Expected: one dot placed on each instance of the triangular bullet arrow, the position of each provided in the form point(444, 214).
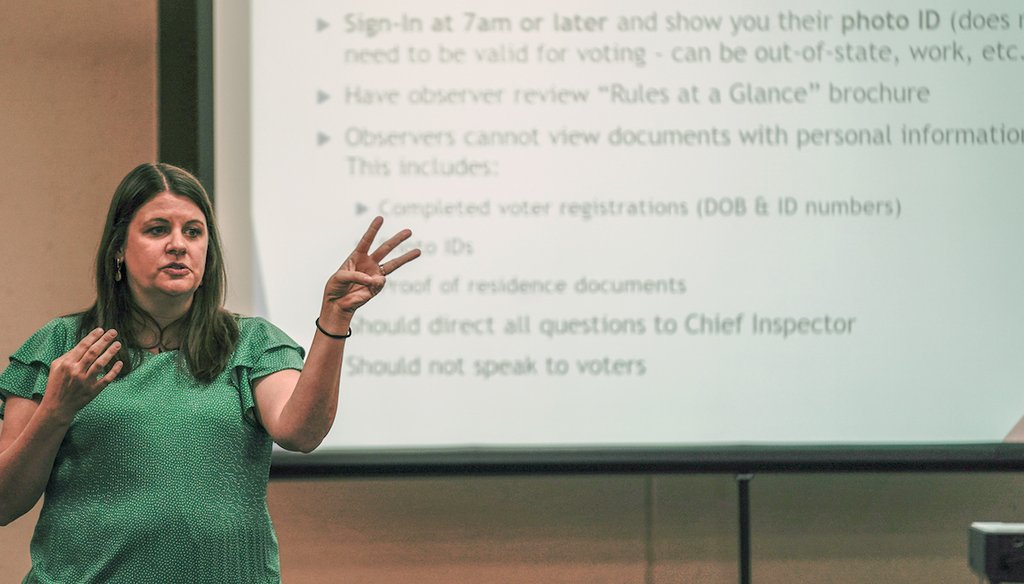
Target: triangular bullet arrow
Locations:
point(360, 208)
point(321, 24)
point(322, 138)
point(322, 96)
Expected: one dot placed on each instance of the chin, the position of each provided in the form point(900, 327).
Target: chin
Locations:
point(184, 289)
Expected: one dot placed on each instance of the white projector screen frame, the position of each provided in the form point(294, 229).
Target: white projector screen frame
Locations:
point(909, 293)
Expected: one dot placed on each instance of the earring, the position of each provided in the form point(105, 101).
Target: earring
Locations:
point(117, 271)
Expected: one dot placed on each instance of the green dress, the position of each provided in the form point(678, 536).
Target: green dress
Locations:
point(160, 478)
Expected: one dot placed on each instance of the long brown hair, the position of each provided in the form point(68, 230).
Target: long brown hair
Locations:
point(209, 332)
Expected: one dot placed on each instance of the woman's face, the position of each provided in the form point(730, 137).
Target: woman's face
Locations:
point(165, 250)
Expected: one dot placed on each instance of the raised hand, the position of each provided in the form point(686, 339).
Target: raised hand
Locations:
point(362, 275)
point(78, 376)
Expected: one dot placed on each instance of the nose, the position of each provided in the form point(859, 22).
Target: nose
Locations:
point(176, 245)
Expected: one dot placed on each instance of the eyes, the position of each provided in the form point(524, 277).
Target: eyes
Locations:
point(191, 231)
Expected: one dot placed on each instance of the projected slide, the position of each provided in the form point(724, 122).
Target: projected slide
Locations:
point(649, 222)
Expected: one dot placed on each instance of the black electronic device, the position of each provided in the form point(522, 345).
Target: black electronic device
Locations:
point(996, 551)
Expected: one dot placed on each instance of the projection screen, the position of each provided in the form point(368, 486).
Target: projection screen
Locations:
point(683, 225)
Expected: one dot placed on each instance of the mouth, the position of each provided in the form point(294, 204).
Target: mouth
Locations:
point(176, 269)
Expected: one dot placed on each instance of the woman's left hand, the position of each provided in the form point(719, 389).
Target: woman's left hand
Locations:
point(361, 276)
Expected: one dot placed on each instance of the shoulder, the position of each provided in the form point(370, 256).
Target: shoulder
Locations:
point(259, 334)
point(51, 341)
point(255, 326)
point(263, 349)
point(62, 325)
point(25, 375)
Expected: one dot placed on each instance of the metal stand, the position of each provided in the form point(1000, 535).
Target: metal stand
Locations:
point(743, 481)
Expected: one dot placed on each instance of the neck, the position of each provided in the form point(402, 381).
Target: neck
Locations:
point(162, 308)
point(155, 328)
point(165, 313)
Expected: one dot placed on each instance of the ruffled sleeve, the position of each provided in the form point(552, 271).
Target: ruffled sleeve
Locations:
point(262, 349)
point(29, 367)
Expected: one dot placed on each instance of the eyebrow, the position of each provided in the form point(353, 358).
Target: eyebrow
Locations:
point(164, 220)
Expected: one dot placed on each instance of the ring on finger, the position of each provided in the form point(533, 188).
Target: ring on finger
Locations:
point(383, 272)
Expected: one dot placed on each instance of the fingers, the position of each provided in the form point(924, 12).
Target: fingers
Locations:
point(100, 364)
point(78, 351)
point(111, 375)
point(371, 233)
point(80, 374)
point(385, 248)
point(96, 349)
point(354, 277)
point(390, 267)
point(357, 268)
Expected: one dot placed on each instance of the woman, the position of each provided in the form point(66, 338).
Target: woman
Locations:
point(148, 419)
